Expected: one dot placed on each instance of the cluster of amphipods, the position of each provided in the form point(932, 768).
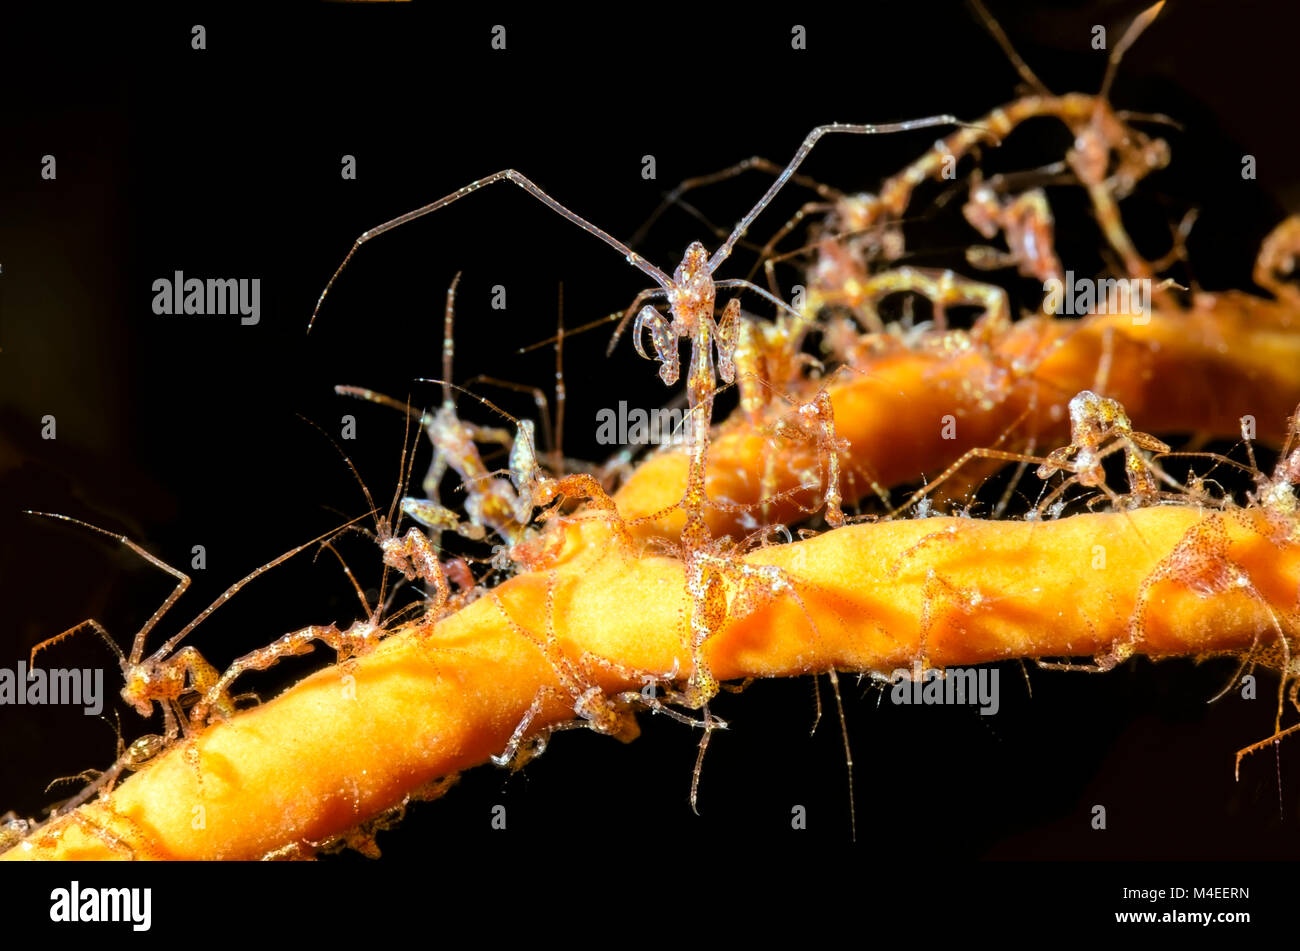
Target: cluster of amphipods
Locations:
point(814, 444)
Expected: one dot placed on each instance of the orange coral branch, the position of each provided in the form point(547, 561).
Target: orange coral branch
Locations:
point(432, 701)
point(1232, 355)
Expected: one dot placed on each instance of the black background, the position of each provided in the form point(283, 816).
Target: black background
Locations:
point(181, 430)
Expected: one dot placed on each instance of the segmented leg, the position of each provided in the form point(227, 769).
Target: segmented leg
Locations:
point(596, 710)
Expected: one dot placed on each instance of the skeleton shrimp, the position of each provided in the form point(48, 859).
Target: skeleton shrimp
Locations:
point(1099, 131)
point(814, 421)
point(1099, 427)
point(690, 292)
point(1201, 562)
point(533, 489)
point(166, 677)
point(489, 502)
point(859, 228)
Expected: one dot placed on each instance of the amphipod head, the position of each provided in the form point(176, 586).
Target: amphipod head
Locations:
point(693, 293)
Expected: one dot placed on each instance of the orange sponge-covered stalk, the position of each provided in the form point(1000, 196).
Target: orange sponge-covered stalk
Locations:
point(352, 742)
point(907, 413)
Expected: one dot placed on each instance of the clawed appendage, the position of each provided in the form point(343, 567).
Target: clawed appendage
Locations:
point(1025, 219)
point(1099, 427)
point(1275, 267)
point(609, 715)
point(530, 489)
point(491, 504)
